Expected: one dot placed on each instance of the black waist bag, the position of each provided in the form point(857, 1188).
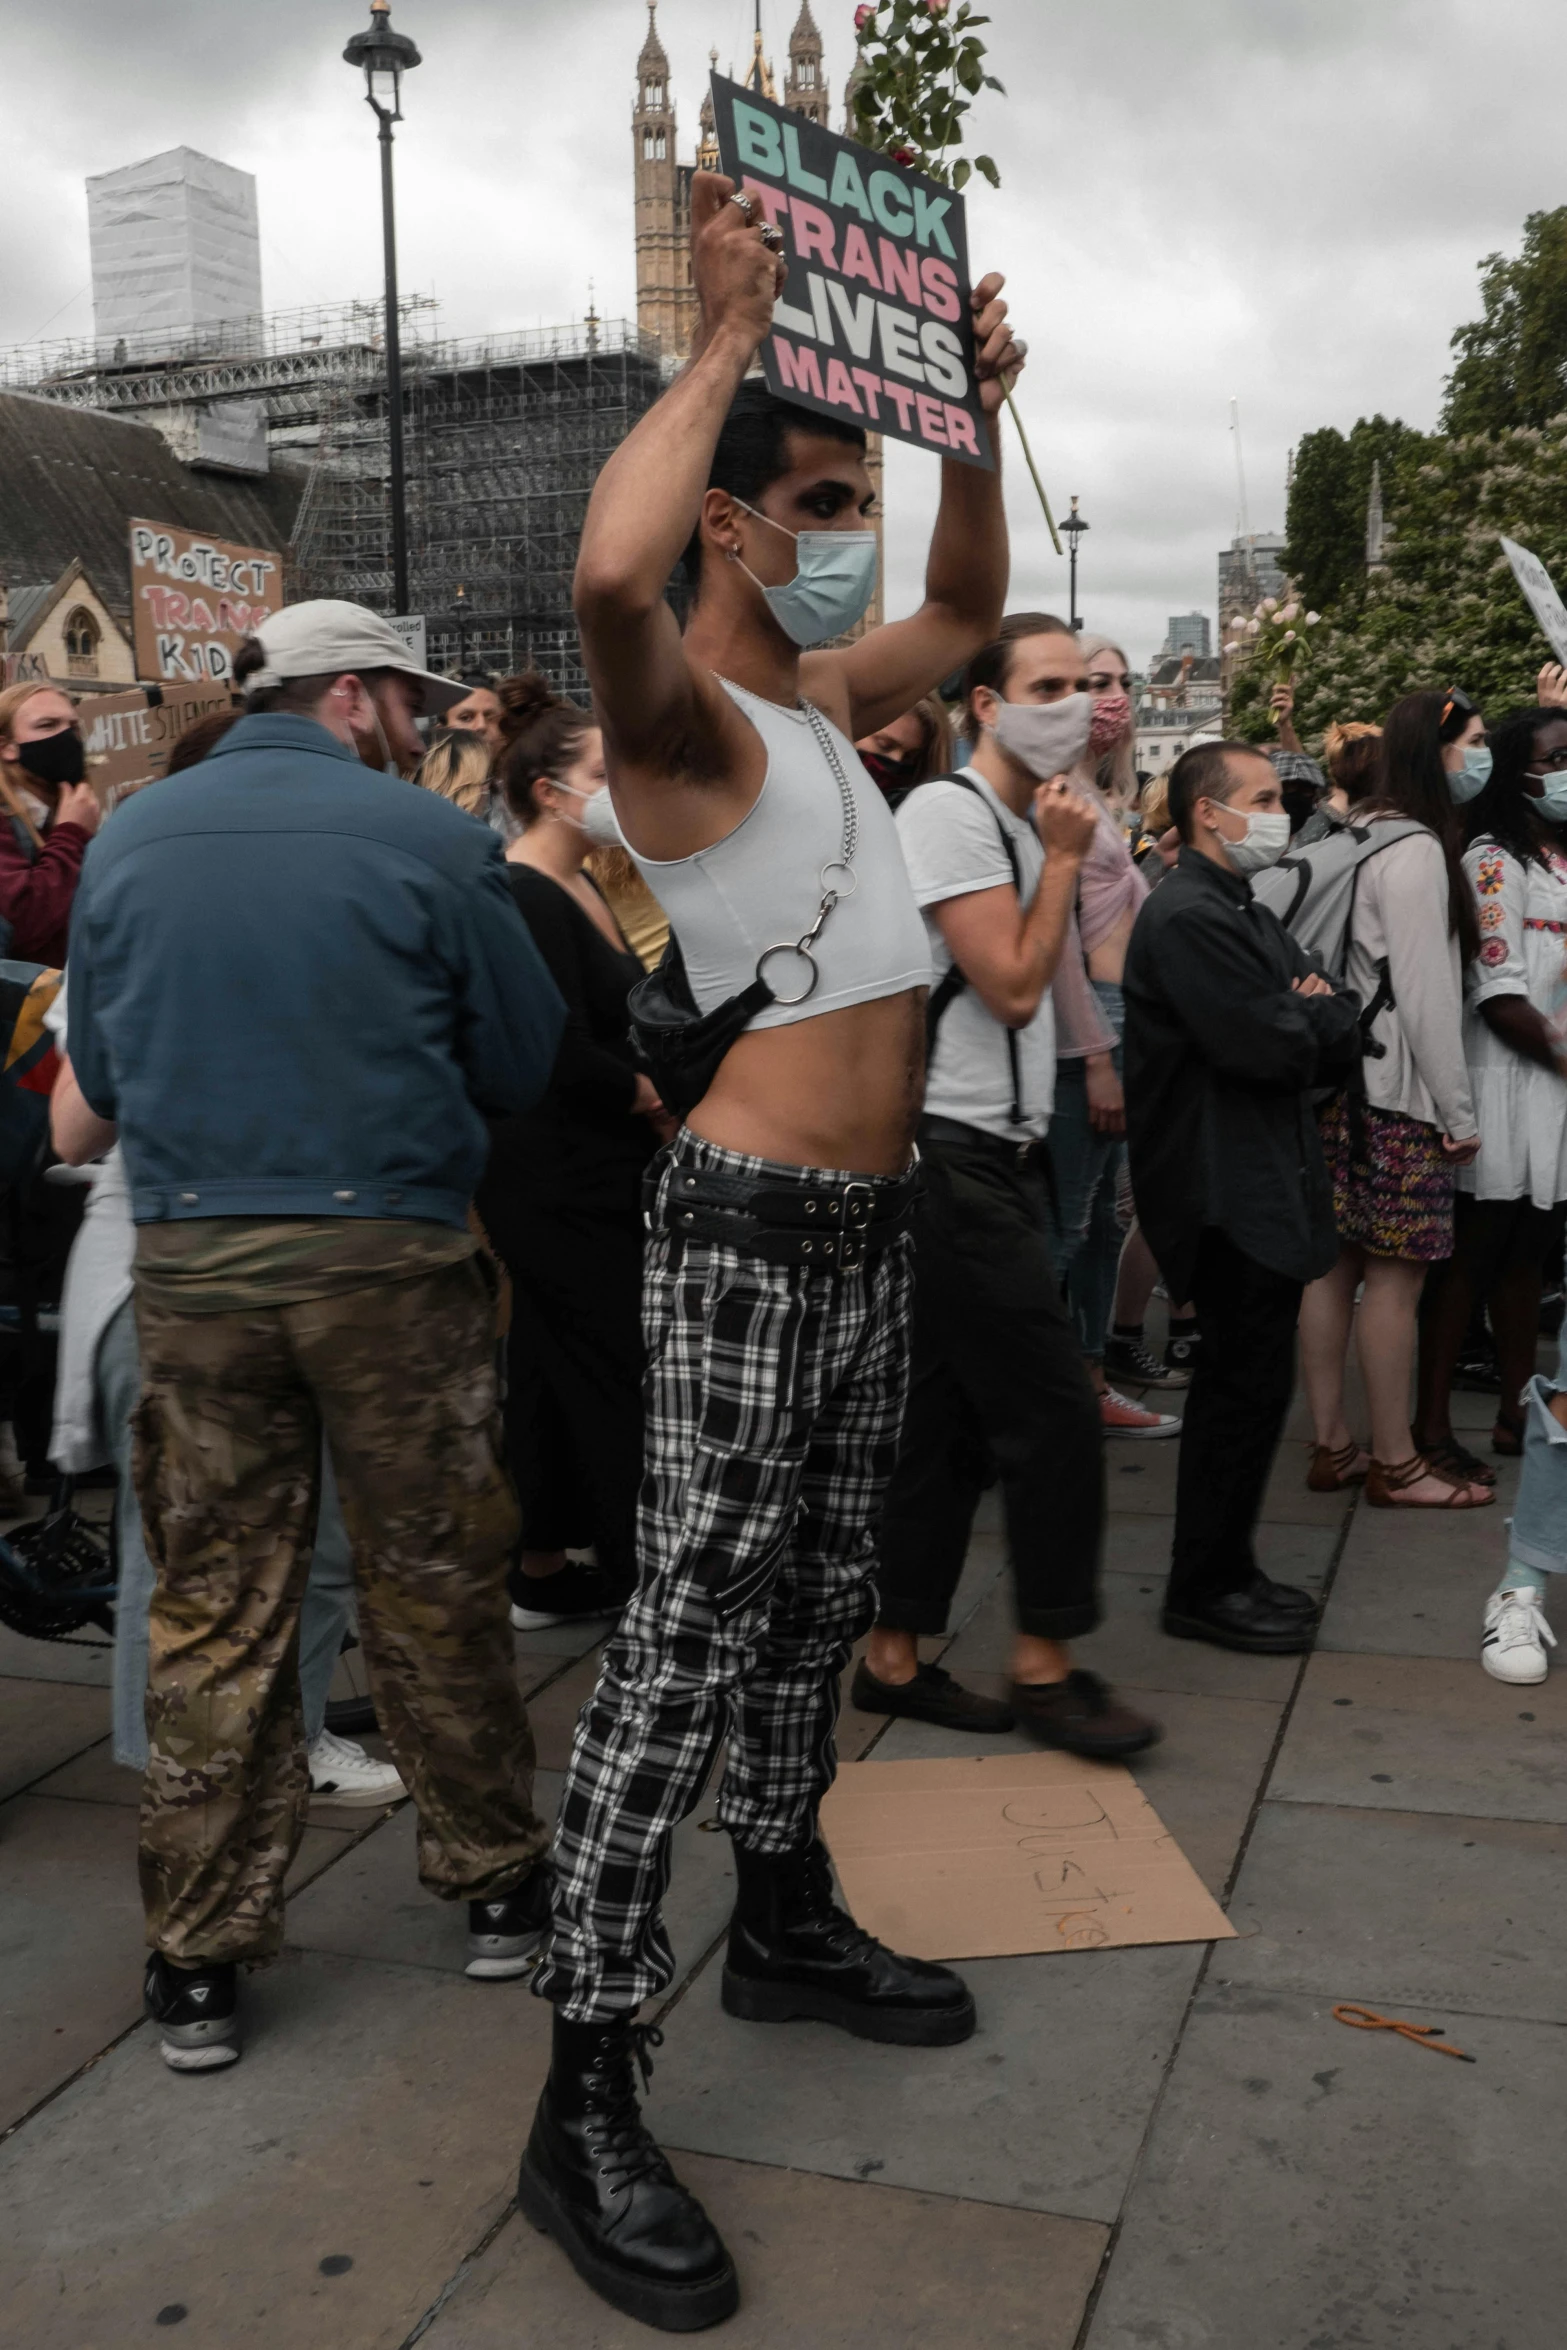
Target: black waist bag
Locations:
point(681, 1044)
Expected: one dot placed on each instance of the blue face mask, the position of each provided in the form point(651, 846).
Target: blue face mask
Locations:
point(1469, 781)
point(834, 581)
point(1552, 802)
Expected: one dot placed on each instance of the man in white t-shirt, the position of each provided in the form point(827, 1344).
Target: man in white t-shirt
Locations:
point(998, 1377)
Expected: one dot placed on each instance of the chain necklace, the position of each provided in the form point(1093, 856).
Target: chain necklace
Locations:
point(838, 877)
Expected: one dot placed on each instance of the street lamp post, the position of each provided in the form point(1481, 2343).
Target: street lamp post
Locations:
point(460, 604)
point(385, 57)
point(1075, 526)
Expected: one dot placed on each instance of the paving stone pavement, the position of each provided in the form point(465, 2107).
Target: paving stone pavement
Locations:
point(1159, 2149)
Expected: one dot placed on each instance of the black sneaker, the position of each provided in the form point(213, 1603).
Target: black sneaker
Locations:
point(504, 1935)
point(575, 1592)
point(197, 2010)
point(932, 1696)
point(1181, 1350)
point(1128, 1358)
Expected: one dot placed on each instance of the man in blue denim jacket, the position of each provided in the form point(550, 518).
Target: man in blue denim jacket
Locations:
point(295, 986)
point(1516, 1632)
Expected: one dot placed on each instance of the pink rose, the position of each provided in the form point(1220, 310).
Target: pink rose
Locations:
point(863, 15)
point(937, 7)
point(903, 155)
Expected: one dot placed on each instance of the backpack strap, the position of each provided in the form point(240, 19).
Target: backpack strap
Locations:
point(954, 981)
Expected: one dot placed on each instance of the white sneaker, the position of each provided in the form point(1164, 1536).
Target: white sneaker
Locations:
point(341, 1772)
point(1119, 1416)
point(1515, 1636)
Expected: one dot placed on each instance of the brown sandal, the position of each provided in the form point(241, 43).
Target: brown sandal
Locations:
point(1386, 1480)
point(1332, 1472)
point(1452, 1459)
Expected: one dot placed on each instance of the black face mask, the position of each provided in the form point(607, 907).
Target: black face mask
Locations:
point(55, 758)
point(891, 774)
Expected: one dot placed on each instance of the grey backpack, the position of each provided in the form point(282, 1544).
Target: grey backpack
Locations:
point(1312, 891)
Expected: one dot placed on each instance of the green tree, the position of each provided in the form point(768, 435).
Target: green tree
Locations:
point(1325, 522)
point(1445, 608)
point(1512, 363)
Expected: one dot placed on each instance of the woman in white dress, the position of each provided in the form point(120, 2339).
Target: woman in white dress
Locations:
point(1511, 1207)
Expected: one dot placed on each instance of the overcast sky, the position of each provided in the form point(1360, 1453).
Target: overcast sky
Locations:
point(1279, 200)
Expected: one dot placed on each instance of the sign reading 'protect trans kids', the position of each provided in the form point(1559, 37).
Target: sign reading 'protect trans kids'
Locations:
point(874, 322)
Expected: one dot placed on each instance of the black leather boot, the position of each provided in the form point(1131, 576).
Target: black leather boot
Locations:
point(793, 1952)
point(594, 2179)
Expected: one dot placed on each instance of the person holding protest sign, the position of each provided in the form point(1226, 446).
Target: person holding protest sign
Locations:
point(778, 1281)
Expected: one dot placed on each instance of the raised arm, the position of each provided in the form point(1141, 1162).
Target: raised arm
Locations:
point(890, 668)
point(1007, 952)
point(647, 501)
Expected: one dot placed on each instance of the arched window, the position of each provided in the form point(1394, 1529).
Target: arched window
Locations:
point(652, 93)
point(82, 639)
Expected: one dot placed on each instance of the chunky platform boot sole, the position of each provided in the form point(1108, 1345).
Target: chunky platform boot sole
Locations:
point(761, 2002)
point(673, 2309)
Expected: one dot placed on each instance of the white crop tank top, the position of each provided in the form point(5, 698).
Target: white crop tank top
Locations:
point(762, 883)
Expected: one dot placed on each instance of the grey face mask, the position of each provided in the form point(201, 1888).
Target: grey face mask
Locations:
point(1047, 738)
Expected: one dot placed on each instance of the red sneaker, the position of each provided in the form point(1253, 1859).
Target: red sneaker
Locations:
point(1119, 1416)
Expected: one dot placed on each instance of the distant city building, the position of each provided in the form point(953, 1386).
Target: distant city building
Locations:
point(1181, 701)
point(1188, 632)
point(1250, 569)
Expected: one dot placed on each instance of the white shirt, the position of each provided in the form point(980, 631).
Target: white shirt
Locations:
point(1521, 1107)
point(952, 847)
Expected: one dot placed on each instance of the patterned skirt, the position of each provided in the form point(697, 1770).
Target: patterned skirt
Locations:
point(1392, 1187)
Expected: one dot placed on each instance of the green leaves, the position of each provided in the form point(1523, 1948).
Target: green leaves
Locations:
point(920, 65)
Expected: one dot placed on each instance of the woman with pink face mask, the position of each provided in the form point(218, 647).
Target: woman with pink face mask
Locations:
point(1087, 1146)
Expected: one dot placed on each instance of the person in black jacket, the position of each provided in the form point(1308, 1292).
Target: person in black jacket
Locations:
point(1229, 1026)
point(562, 1197)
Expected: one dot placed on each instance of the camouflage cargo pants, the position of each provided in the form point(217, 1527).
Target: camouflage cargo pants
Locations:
point(401, 1378)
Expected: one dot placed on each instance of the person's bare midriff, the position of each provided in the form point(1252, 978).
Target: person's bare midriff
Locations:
point(1106, 959)
point(840, 1091)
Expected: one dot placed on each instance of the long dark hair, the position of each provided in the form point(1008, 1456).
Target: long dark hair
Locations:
point(1504, 811)
point(1414, 783)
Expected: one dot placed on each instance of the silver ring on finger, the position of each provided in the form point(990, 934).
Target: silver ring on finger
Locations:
point(746, 203)
point(772, 236)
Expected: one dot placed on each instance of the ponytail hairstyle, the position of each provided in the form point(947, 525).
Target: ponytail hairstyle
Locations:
point(544, 734)
point(1352, 755)
point(1414, 783)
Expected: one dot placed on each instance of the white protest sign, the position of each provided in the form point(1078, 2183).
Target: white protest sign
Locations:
point(410, 627)
point(1538, 587)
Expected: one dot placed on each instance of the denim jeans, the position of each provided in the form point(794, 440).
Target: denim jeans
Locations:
point(328, 1607)
point(1085, 1231)
point(1539, 1527)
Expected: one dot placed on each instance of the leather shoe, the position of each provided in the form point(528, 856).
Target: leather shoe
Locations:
point(595, 2179)
point(1081, 1715)
point(794, 1953)
point(1288, 1598)
point(932, 1696)
point(1243, 1620)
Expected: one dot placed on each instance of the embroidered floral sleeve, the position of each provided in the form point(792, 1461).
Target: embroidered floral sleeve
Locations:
point(1499, 884)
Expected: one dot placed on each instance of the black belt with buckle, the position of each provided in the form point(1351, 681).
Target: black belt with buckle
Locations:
point(826, 1226)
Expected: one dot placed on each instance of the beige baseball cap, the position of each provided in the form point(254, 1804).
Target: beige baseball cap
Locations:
point(328, 637)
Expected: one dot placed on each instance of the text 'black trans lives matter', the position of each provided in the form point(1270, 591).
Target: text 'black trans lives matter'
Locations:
point(874, 321)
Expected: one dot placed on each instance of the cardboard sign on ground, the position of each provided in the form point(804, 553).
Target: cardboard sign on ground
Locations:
point(998, 1855)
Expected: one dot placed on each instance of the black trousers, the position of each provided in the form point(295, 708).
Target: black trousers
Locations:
point(574, 1364)
point(999, 1387)
point(1235, 1411)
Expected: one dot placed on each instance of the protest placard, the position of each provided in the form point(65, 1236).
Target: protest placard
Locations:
point(128, 738)
point(1540, 590)
point(193, 599)
point(874, 323)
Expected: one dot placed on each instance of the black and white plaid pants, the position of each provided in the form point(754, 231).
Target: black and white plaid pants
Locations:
point(774, 1401)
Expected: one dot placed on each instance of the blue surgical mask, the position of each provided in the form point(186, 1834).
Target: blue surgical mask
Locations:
point(833, 583)
point(1552, 802)
point(1469, 781)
